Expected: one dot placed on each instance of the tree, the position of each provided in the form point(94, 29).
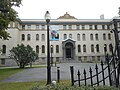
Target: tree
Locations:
point(7, 14)
point(23, 55)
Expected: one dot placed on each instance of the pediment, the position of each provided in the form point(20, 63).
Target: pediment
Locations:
point(66, 16)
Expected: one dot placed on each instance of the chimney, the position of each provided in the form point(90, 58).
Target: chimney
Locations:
point(102, 16)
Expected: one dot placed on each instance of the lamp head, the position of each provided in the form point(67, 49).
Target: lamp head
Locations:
point(47, 16)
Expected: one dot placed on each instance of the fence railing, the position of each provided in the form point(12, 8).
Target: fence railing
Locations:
point(105, 74)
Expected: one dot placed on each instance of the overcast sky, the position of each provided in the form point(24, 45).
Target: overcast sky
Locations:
point(81, 9)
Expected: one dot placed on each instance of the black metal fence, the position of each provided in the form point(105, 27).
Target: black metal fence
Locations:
point(105, 74)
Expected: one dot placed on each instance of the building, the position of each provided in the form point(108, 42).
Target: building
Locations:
point(74, 40)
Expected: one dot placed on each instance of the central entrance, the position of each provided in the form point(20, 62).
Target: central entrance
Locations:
point(68, 52)
point(69, 49)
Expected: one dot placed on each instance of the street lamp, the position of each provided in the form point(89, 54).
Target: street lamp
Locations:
point(51, 55)
point(47, 18)
point(105, 50)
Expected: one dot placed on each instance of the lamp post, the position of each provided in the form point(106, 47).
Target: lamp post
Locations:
point(105, 50)
point(51, 55)
point(47, 18)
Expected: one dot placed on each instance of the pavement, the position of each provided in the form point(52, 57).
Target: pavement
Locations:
point(37, 74)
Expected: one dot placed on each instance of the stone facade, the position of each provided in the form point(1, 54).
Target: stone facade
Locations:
point(75, 39)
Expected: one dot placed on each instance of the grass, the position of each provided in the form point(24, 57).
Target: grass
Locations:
point(20, 85)
point(6, 72)
point(27, 85)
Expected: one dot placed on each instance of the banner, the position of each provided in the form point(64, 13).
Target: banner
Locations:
point(54, 32)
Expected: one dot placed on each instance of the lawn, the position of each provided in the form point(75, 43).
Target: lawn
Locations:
point(6, 72)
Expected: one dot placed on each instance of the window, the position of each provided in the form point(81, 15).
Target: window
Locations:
point(79, 48)
point(57, 48)
point(28, 37)
point(70, 26)
point(43, 49)
point(37, 26)
point(43, 37)
point(43, 27)
point(104, 36)
point(23, 37)
point(83, 37)
point(98, 58)
point(4, 49)
point(93, 58)
point(70, 36)
point(108, 27)
point(78, 37)
point(65, 36)
point(103, 27)
point(84, 48)
point(85, 58)
point(3, 61)
point(109, 36)
point(97, 48)
point(110, 49)
point(92, 48)
point(83, 27)
point(96, 36)
point(28, 26)
point(23, 27)
point(90, 27)
point(78, 27)
point(91, 36)
point(95, 27)
point(51, 49)
point(37, 37)
point(64, 27)
point(37, 49)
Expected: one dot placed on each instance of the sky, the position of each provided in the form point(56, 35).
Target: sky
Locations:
point(81, 9)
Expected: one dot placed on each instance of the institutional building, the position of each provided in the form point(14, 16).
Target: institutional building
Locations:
point(71, 39)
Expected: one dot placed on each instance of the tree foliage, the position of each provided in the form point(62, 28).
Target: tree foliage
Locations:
point(7, 14)
point(23, 55)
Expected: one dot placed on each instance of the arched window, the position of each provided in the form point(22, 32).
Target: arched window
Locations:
point(37, 37)
point(65, 36)
point(84, 48)
point(28, 37)
point(96, 36)
point(97, 48)
point(43, 49)
point(70, 36)
point(92, 48)
point(43, 37)
point(104, 36)
point(23, 37)
point(91, 36)
point(109, 36)
point(110, 49)
point(37, 49)
point(83, 37)
point(4, 49)
point(78, 37)
point(57, 48)
point(79, 48)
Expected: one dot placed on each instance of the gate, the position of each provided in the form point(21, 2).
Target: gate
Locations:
point(105, 74)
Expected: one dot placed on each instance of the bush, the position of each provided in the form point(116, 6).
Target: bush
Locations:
point(64, 87)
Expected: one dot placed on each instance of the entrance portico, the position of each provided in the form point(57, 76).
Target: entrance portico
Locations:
point(68, 49)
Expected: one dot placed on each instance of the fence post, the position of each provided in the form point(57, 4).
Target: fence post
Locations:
point(109, 70)
point(85, 76)
point(72, 75)
point(96, 67)
point(103, 72)
point(78, 77)
point(91, 76)
point(58, 74)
